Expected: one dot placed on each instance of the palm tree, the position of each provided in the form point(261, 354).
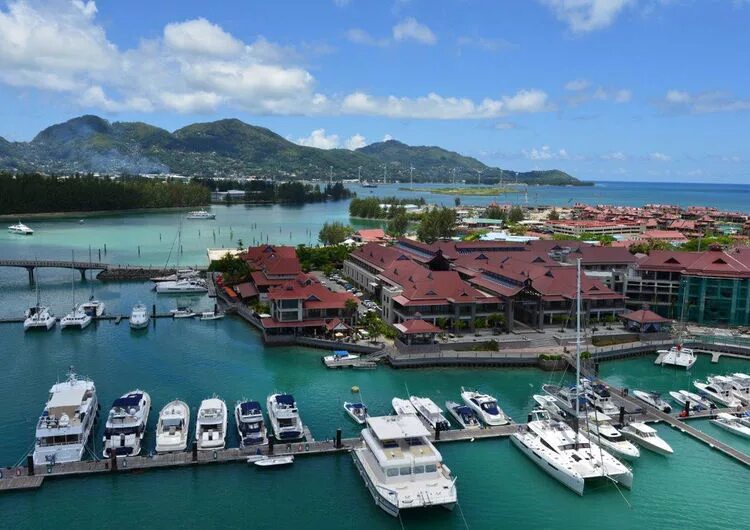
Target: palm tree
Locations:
point(350, 310)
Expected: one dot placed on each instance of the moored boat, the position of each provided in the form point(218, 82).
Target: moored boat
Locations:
point(485, 406)
point(211, 315)
point(272, 461)
point(126, 424)
point(39, 317)
point(646, 437)
point(464, 415)
point(251, 429)
point(139, 318)
point(182, 312)
point(285, 419)
point(182, 286)
point(403, 406)
point(731, 424)
point(697, 403)
point(654, 399)
point(172, 427)
point(356, 411)
point(601, 431)
point(211, 424)
point(718, 393)
point(430, 411)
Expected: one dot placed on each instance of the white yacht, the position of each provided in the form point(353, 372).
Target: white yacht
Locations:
point(739, 389)
point(356, 411)
point(65, 425)
point(602, 431)
point(285, 420)
point(566, 455)
point(741, 385)
point(550, 404)
point(172, 427)
point(430, 411)
point(403, 406)
point(179, 274)
point(599, 397)
point(126, 424)
point(731, 424)
point(251, 428)
point(654, 399)
point(485, 406)
point(676, 356)
point(201, 214)
point(211, 424)
point(566, 398)
point(181, 286)
point(339, 359)
point(697, 403)
point(464, 415)
point(401, 468)
point(646, 437)
point(20, 228)
point(78, 318)
point(718, 393)
point(39, 317)
point(211, 315)
point(183, 312)
point(139, 318)
point(94, 308)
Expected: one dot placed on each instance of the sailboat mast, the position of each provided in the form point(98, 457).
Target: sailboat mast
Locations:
point(578, 338)
point(73, 276)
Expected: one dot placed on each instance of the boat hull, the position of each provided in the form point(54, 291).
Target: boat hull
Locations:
point(745, 433)
point(570, 480)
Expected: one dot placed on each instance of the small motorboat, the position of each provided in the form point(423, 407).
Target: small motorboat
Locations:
point(654, 399)
point(550, 404)
point(139, 318)
point(182, 312)
point(356, 411)
point(20, 228)
point(697, 403)
point(646, 437)
point(718, 393)
point(464, 415)
point(485, 406)
point(211, 315)
point(271, 461)
point(732, 424)
point(339, 359)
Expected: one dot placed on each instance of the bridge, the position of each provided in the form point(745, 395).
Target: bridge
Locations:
point(32, 264)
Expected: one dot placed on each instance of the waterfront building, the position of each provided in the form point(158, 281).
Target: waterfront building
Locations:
point(578, 227)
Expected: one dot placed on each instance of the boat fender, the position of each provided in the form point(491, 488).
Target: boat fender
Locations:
point(300, 448)
point(307, 447)
point(18, 472)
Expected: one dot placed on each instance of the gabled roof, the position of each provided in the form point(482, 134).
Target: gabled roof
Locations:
point(644, 316)
point(415, 326)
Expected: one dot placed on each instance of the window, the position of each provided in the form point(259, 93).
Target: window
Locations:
point(405, 471)
point(391, 472)
point(418, 470)
point(430, 468)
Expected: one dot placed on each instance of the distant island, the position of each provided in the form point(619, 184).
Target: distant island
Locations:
point(232, 148)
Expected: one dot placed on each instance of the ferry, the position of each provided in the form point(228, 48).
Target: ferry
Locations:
point(285, 419)
point(401, 468)
point(65, 425)
point(251, 429)
point(20, 228)
point(211, 424)
point(201, 214)
point(126, 424)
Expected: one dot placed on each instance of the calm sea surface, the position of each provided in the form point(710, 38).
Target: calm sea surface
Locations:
point(192, 360)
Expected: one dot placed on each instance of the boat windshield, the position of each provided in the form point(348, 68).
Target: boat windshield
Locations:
point(490, 407)
point(169, 423)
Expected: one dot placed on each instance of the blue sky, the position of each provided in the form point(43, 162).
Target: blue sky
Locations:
point(604, 89)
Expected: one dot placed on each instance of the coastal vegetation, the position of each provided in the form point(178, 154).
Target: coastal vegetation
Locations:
point(334, 233)
point(294, 192)
point(437, 223)
point(234, 269)
point(35, 193)
point(381, 207)
point(325, 259)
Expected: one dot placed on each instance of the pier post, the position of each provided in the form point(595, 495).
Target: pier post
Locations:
point(437, 431)
point(270, 445)
point(113, 459)
point(30, 465)
point(338, 438)
point(83, 274)
point(622, 415)
point(153, 310)
point(30, 270)
point(195, 451)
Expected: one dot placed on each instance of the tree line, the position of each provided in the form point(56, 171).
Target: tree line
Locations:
point(283, 192)
point(35, 193)
point(370, 207)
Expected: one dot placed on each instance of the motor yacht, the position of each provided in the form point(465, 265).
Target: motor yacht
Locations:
point(731, 424)
point(20, 228)
point(654, 399)
point(211, 315)
point(201, 214)
point(566, 398)
point(126, 424)
point(182, 312)
point(677, 356)
point(65, 425)
point(718, 392)
point(339, 359)
point(139, 318)
point(251, 429)
point(550, 404)
point(599, 397)
point(182, 286)
point(646, 437)
point(430, 411)
point(211, 424)
point(697, 403)
point(568, 456)
point(172, 427)
point(78, 318)
point(403, 406)
point(464, 415)
point(485, 406)
point(39, 317)
point(356, 411)
point(741, 385)
point(285, 419)
point(179, 274)
point(93, 308)
point(739, 389)
point(400, 466)
point(601, 430)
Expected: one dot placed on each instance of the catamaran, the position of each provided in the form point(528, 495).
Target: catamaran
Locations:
point(400, 466)
point(65, 425)
point(172, 427)
point(126, 424)
point(678, 356)
point(77, 318)
point(93, 307)
point(38, 316)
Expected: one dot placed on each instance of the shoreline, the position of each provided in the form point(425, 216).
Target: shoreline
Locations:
point(92, 213)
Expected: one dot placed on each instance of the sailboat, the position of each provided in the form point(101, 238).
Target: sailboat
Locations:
point(78, 318)
point(678, 355)
point(563, 452)
point(186, 281)
point(93, 307)
point(38, 316)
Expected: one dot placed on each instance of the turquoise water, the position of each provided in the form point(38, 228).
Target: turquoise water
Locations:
point(695, 488)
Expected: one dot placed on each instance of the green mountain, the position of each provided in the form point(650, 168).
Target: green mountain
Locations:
point(233, 148)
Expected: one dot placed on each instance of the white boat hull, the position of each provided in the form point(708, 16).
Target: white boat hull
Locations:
point(46, 325)
point(739, 430)
point(569, 479)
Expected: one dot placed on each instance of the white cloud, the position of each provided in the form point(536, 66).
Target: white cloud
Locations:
point(616, 155)
point(484, 43)
point(435, 106)
point(319, 139)
point(703, 102)
point(360, 36)
point(583, 16)
point(387, 137)
point(200, 36)
point(505, 126)
point(410, 29)
point(659, 157)
point(355, 142)
point(545, 153)
point(577, 85)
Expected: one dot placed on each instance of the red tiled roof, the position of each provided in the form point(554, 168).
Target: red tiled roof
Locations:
point(230, 292)
point(644, 316)
point(313, 294)
point(246, 290)
point(370, 234)
point(379, 256)
point(414, 326)
point(423, 286)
